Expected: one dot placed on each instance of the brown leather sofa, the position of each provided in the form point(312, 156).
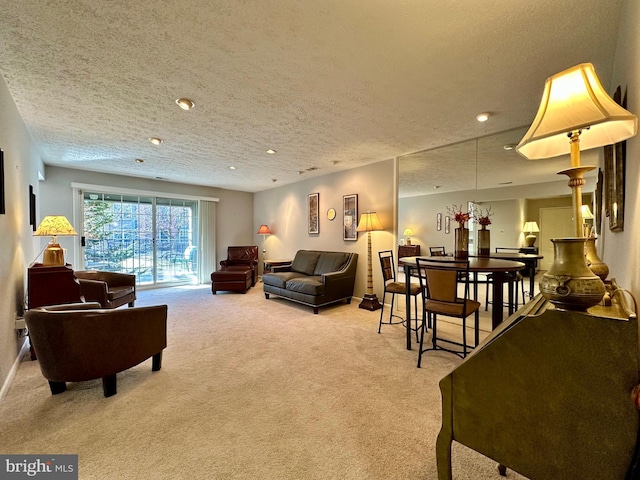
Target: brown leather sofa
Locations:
point(240, 258)
point(109, 289)
point(80, 341)
point(314, 278)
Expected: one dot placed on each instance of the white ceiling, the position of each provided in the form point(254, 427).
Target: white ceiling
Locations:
point(328, 84)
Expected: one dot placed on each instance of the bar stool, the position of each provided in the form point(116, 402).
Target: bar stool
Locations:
point(392, 286)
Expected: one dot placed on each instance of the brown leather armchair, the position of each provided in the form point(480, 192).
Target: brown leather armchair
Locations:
point(242, 258)
point(109, 289)
point(80, 341)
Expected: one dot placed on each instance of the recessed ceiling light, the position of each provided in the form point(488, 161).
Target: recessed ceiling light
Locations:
point(155, 140)
point(139, 160)
point(335, 162)
point(300, 172)
point(274, 180)
point(232, 167)
point(271, 151)
point(185, 103)
point(482, 117)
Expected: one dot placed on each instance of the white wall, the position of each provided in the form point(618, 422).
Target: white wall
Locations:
point(21, 164)
point(620, 251)
point(284, 209)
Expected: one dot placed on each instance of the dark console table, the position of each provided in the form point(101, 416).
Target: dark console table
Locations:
point(51, 285)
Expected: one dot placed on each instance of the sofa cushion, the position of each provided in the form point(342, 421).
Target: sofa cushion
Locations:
point(115, 293)
point(305, 262)
point(279, 279)
point(330, 262)
point(308, 285)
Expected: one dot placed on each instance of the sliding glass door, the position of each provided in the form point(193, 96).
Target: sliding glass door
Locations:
point(154, 238)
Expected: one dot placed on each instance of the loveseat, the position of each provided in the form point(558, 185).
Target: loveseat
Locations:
point(314, 278)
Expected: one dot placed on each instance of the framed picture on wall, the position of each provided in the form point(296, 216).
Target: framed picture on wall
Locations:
point(614, 167)
point(350, 217)
point(439, 222)
point(314, 213)
point(447, 224)
point(32, 208)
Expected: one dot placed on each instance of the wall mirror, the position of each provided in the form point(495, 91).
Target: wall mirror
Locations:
point(488, 172)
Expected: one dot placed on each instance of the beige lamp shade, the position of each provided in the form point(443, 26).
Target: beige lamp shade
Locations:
point(264, 230)
point(369, 222)
point(530, 228)
point(586, 212)
point(575, 100)
point(54, 225)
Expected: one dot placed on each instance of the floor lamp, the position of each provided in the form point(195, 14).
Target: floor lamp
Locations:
point(264, 230)
point(576, 113)
point(369, 223)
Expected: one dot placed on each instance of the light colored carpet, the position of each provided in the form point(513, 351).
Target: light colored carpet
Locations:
point(250, 389)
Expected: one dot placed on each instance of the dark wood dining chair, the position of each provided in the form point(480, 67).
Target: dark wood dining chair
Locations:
point(445, 284)
point(437, 251)
point(394, 287)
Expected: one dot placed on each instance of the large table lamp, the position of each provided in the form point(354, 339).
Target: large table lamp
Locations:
point(54, 226)
point(576, 113)
point(369, 222)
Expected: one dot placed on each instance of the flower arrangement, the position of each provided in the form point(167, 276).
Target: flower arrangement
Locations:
point(459, 215)
point(483, 218)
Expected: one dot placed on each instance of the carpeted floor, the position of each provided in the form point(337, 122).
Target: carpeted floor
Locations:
point(250, 389)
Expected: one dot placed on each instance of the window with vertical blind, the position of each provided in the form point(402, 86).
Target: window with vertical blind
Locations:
point(157, 238)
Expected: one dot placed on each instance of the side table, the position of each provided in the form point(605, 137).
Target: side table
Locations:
point(268, 265)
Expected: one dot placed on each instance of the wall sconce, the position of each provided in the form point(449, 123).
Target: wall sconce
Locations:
point(54, 226)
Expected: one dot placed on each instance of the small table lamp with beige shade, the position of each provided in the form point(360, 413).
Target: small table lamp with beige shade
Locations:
point(54, 226)
point(575, 113)
point(529, 229)
point(407, 233)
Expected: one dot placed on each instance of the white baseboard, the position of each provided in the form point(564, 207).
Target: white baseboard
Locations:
point(14, 369)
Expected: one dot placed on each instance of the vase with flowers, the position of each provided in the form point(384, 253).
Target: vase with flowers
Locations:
point(461, 248)
point(484, 234)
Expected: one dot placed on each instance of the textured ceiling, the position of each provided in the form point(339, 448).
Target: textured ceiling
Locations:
point(327, 84)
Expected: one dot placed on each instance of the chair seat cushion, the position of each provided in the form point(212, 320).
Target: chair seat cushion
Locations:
point(310, 285)
point(451, 309)
point(231, 275)
point(280, 279)
point(399, 287)
point(115, 293)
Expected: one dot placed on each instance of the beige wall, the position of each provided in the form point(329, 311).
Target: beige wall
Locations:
point(621, 250)
point(284, 209)
point(21, 164)
point(234, 211)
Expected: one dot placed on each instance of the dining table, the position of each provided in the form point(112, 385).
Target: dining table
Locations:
point(530, 261)
point(499, 268)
